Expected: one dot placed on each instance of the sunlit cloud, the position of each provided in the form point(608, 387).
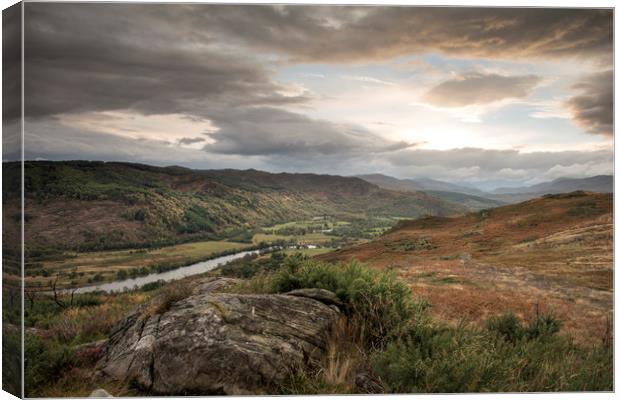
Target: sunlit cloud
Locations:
point(478, 88)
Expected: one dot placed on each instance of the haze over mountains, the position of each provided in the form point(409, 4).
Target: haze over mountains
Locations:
point(599, 183)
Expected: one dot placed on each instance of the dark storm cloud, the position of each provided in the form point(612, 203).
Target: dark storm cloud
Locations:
point(96, 57)
point(11, 63)
point(478, 88)
point(340, 33)
point(272, 131)
point(159, 58)
point(593, 108)
point(100, 57)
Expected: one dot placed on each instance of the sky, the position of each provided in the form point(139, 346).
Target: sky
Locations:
point(489, 97)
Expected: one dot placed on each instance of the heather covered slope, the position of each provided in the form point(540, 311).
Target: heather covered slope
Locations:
point(599, 183)
point(94, 205)
point(552, 253)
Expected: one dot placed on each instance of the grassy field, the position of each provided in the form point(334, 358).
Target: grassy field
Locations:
point(308, 238)
point(327, 223)
point(309, 252)
point(75, 269)
point(82, 268)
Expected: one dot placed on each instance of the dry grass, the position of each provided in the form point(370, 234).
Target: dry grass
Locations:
point(509, 259)
point(344, 357)
point(344, 354)
point(169, 295)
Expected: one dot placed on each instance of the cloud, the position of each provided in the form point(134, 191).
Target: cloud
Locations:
point(188, 140)
point(496, 160)
point(368, 79)
point(355, 34)
point(584, 170)
point(489, 169)
point(593, 108)
point(219, 64)
point(272, 131)
point(11, 63)
point(478, 88)
point(100, 57)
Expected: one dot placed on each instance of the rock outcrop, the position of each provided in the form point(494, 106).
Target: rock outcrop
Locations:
point(322, 295)
point(217, 343)
point(100, 393)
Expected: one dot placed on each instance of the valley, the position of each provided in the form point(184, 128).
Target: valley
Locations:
point(437, 263)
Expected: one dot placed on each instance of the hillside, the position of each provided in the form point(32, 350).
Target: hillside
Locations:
point(426, 184)
point(471, 202)
point(599, 183)
point(553, 253)
point(472, 199)
point(503, 195)
point(95, 205)
point(419, 184)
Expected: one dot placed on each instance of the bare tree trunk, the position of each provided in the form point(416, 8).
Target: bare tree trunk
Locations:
point(60, 303)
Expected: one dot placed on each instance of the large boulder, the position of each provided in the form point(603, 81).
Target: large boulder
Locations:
point(322, 295)
point(217, 343)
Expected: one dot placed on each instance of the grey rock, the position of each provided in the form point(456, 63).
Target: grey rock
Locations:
point(367, 383)
point(213, 284)
point(100, 393)
point(91, 345)
point(217, 343)
point(322, 295)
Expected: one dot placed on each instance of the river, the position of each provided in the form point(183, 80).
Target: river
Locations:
point(193, 269)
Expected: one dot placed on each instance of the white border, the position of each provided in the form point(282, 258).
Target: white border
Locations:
point(481, 3)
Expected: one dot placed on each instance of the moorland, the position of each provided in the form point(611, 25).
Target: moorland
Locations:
point(417, 291)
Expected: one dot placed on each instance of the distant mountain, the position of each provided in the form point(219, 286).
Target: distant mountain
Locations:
point(426, 184)
point(391, 183)
point(469, 201)
point(599, 183)
point(102, 205)
point(419, 184)
point(470, 198)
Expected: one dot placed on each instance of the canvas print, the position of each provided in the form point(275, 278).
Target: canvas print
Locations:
point(239, 199)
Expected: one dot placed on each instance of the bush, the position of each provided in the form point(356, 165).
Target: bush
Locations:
point(249, 265)
point(504, 357)
point(383, 305)
point(510, 327)
point(44, 361)
point(86, 300)
point(171, 294)
point(152, 286)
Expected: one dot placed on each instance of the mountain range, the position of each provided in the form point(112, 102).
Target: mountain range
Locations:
point(87, 205)
point(447, 190)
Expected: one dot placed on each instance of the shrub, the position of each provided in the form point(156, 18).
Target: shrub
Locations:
point(152, 285)
point(504, 357)
point(510, 327)
point(542, 326)
point(171, 294)
point(86, 300)
point(381, 302)
point(44, 361)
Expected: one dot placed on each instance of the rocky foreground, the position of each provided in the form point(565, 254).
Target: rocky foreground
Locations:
point(219, 343)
